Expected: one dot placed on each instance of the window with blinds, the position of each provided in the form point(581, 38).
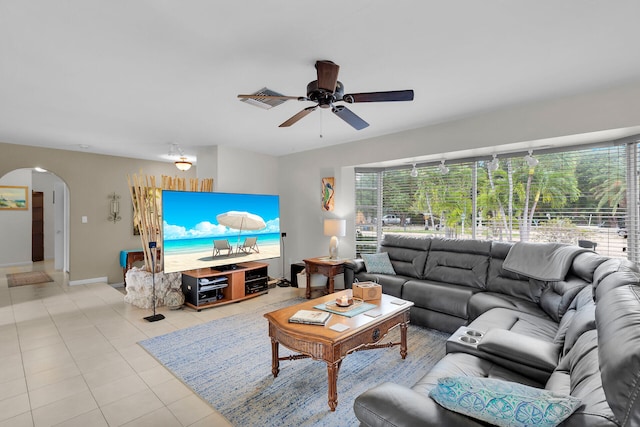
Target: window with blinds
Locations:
point(585, 196)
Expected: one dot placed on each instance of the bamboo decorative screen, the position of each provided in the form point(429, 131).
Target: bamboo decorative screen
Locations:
point(147, 203)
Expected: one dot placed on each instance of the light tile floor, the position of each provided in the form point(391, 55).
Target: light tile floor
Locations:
point(69, 357)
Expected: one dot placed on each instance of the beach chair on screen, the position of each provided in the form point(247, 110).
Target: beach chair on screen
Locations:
point(221, 245)
point(249, 244)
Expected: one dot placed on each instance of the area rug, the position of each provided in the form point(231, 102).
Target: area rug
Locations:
point(30, 278)
point(228, 363)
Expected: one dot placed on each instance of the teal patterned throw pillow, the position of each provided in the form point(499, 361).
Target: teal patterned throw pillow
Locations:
point(503, 403)
point(378, 263)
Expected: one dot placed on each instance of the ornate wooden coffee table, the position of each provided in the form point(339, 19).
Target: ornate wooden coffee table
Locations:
point(323, 343)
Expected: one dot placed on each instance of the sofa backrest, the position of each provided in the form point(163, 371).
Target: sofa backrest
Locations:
point(508, 283)
point(557, 296)
point(577, 374)
point(408, 254)
point(460, 262)
point(609, 267)
point(579, 318)
point(585, 264)
point(618, 323)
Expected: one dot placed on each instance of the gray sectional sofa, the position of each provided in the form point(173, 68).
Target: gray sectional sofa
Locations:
point(568, 322)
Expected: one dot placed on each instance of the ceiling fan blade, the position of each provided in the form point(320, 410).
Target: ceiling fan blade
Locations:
point(327, 75)
point(299, 98)
point(349, 116)
point(394, 95)
point(298, 116)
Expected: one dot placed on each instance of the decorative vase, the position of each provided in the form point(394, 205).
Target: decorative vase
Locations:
point(174, 299)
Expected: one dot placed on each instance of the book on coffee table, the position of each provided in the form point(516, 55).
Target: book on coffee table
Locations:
point(310, 317)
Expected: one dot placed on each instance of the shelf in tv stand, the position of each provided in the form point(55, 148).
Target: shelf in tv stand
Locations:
point(251, 273)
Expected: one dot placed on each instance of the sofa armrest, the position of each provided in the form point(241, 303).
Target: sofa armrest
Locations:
point(351, 268)
point(520, 348)
point(393, 405)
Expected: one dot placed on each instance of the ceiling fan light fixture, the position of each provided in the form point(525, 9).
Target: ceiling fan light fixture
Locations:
point(414, 172)
point(325, 91)
point(183, 164)
point(531, 161)
point(443, 168)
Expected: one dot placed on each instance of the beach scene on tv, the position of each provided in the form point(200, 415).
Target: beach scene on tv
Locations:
point(202, 229)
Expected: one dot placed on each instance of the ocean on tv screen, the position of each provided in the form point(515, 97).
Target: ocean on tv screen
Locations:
point(192, 221)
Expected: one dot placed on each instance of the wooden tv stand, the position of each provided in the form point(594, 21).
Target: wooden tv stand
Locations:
point(208, 287)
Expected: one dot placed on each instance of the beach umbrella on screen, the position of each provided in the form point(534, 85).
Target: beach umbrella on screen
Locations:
point(241, 221)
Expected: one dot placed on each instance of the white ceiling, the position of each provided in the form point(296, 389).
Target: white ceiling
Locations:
point(129, 77)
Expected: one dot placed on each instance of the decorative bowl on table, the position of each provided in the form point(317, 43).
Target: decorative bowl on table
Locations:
point(341, 303)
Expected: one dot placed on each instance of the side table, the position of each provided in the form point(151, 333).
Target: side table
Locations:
point(325, 266)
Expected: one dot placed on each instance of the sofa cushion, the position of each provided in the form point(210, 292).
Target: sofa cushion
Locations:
point(521, 349)
point(610, 266)
point(457, 364)
point(618, 320)
point(557, 296)
point(394, 405)
point(542, 328)
point(441, 297)
point(417, 243)
point(616, 280)
point(408, 254)
point(391, 285)
point(578, 373)
point(378, 263)
point(506, 282)
point(460, 262)
point(585, 264)
point(482, 302)
point(584, 320)
point(503, 403)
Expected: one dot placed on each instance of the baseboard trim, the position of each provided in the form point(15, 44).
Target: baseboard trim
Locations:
point(88, 281)
point(15, 264)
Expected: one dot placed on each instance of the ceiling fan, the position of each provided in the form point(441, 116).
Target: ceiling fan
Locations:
point(327, 90)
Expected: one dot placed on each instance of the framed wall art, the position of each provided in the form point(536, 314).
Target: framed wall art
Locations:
point(328, 189)
point(14, 197)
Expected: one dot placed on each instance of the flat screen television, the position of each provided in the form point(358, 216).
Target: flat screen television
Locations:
point(220, 230)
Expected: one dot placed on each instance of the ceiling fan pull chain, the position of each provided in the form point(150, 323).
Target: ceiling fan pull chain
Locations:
point(321, 115)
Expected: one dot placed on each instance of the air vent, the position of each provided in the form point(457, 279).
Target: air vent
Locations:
point(265, 103)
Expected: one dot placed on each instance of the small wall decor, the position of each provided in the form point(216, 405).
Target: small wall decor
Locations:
point(114, 208)
point(328, 189)
point(13, 197)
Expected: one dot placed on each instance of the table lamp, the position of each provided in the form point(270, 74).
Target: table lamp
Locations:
point(334, 228)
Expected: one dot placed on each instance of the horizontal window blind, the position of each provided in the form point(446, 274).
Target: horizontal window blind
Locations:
point(577, 196)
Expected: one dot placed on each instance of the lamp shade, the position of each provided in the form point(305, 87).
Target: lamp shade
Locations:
point(335, 227)
point(183, 164)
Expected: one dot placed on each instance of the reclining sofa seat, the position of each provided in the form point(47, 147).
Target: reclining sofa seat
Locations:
point(454, 271)
point(408, 256)
point(599, 363)
point(453, 281)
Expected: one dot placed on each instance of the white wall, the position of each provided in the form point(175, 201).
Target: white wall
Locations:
point(15, 248)
point(240, 171)
point(300, 173)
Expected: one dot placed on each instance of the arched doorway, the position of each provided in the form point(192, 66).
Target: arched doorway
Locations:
point(17, 224)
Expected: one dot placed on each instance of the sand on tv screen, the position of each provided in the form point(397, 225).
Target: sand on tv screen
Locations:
point(202, 229)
